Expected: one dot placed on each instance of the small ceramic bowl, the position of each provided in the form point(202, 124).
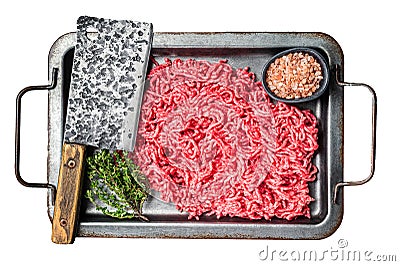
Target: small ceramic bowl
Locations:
point(323, 85)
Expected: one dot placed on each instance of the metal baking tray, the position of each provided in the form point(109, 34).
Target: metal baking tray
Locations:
point(250, 49)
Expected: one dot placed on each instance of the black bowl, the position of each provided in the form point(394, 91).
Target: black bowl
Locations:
point(323, 85)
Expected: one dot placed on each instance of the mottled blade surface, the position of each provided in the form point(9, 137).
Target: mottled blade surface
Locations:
point(107, 82)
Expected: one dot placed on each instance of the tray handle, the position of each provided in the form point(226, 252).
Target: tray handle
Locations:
point(373, 138)
point(18, 134)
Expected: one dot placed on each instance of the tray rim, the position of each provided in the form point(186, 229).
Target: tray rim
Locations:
point(206, 230)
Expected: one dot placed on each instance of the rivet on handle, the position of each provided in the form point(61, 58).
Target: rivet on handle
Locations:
point(71, 163)
point(63, 222)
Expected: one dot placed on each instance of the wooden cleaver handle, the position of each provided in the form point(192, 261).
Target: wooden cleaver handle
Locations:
point(66, 207)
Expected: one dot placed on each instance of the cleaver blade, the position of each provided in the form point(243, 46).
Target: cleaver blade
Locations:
point(103, 109)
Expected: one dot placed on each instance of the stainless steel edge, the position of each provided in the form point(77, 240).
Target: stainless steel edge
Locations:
point(55, 109)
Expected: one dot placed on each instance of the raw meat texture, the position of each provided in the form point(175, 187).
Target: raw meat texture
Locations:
point(211, 141)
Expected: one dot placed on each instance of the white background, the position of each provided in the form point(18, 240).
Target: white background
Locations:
point(368, 34)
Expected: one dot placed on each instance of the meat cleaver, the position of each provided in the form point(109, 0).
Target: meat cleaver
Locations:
point(107, 83)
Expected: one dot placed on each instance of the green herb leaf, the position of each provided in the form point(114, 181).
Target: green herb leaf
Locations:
point(114, 188)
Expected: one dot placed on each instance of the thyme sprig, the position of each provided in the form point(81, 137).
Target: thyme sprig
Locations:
point(114, 187)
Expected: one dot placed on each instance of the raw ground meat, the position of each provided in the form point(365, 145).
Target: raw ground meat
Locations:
point(211, 142)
